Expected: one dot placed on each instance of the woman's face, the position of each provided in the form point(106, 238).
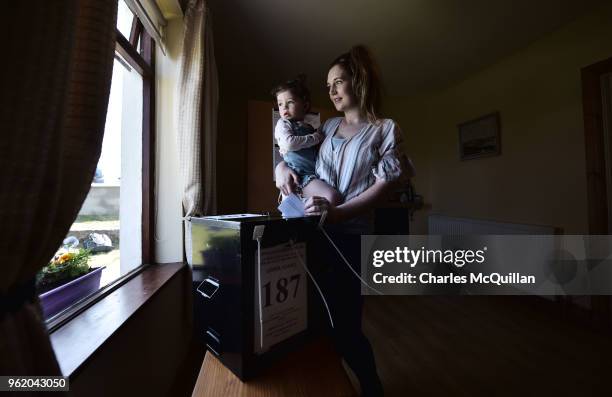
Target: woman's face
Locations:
point(340, 90)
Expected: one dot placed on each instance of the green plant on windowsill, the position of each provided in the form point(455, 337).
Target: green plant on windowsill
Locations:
point(66, 265)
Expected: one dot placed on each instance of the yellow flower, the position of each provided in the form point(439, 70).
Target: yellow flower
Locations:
point(65, 257)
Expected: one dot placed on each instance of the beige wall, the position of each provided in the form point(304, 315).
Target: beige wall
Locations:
point(540, 177)
point(168, 227)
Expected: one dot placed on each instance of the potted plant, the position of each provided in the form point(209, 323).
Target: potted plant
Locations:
point(66, 279)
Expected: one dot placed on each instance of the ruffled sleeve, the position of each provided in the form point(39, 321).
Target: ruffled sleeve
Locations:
point(392, 163)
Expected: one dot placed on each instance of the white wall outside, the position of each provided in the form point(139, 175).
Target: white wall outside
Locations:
point(102, 199)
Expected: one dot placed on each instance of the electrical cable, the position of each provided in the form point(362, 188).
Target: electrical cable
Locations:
point(297, 255)
point(323, 216)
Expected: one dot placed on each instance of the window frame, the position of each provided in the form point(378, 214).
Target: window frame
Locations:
point(143, 61)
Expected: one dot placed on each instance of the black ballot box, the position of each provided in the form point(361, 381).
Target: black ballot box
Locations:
point(226, 270)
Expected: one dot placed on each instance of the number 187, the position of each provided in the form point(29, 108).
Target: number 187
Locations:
point(282, 289)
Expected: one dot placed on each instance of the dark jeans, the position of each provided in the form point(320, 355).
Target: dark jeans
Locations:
point(342, 290)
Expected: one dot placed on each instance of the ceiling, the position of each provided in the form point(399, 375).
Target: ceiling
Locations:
point(419, 44)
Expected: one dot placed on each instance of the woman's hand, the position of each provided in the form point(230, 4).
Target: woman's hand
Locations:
point(316, 205)
point(286, 178)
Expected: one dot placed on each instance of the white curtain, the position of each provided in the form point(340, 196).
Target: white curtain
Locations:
point(197, 104)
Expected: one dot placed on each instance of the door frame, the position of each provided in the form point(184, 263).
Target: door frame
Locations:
point(594, 145)
point(595, 168)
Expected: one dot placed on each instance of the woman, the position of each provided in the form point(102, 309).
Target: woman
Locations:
point(360, 157)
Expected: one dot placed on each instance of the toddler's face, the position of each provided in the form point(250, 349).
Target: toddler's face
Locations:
point(290, 107)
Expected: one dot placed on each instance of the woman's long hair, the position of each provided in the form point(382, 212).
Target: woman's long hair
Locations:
point(365, 79)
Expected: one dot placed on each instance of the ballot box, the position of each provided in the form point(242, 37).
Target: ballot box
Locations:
point(234, 275)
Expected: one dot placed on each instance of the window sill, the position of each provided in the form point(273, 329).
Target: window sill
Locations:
point(76, 341)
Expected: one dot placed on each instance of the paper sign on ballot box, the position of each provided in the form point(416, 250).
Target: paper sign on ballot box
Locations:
point(283, 295)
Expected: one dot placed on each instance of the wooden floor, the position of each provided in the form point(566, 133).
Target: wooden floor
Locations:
point(484, 346)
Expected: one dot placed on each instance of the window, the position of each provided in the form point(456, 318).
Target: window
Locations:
point(110, 239)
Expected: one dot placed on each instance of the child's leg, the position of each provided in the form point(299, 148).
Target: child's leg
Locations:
point(317, 187)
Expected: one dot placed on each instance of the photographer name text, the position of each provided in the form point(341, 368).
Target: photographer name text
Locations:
point(457, 258)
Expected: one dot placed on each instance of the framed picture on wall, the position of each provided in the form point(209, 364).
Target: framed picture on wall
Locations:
point(480, 137)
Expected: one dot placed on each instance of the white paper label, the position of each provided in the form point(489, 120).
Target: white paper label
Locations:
point(283, 295)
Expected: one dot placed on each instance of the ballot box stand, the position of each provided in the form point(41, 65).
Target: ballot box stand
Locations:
point(224, 268)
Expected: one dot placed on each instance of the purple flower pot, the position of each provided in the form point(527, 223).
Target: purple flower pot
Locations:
point(57, 299)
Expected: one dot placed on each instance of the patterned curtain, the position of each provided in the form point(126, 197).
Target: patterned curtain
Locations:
point(197, 104)
point(57, 69)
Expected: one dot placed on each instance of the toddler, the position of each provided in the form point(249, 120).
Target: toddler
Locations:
point(298, 140)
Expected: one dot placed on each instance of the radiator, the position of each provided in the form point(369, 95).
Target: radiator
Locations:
point(439, 224)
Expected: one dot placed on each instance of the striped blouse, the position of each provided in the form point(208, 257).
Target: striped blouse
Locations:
point(352, 165)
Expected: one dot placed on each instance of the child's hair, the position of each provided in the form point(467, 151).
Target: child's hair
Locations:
point(297, 87)
point(365, 79)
